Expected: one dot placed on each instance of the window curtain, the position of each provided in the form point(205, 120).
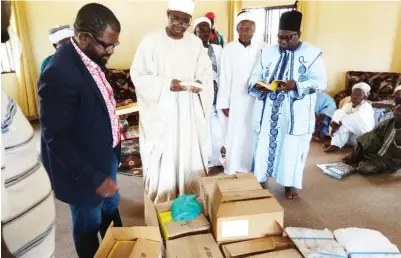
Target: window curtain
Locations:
point(25, 68)
point(234, 7)
point(301, 7)
point(310, 19)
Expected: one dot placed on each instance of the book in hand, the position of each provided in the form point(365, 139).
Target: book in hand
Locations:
point(269, 86)
point(337, 170)
point(189, 85)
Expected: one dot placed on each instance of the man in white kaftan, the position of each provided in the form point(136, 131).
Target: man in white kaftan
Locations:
point(173, 121)
point(284, 120)
point(217, 121)
point(352, 120)
point(237, 62)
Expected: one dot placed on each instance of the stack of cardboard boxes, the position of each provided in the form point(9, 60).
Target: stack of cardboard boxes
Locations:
point(239, 219)
point(247, 220)
point(183, 239)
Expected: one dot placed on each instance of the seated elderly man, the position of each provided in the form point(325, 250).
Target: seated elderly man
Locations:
point(324, 110)
point(352, 120)
point(379, 150)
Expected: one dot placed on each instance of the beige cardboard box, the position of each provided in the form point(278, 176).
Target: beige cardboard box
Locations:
point(242, 210)
point(207, 185)
point(266, 247)
point(197, 246)
point(154, 216)
point(131, 242)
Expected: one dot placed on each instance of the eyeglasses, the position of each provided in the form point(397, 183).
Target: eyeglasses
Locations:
point(184, 22)
point(106, 47)
point(286, 37)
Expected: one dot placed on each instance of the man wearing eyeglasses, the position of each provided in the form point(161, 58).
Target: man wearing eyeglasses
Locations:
point(283, 119)
point(174, 84)
point(80, 128)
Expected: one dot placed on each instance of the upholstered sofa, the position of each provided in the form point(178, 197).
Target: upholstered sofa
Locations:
point(124, 89)
point(381, 83)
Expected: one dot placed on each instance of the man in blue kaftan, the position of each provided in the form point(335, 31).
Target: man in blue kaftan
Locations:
point(284, 120)
point(324, 110)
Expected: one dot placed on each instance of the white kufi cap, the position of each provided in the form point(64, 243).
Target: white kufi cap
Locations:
point(200, 20)
point(185, 6)
point(61, 33)
point(363, 86)
point(245, 16)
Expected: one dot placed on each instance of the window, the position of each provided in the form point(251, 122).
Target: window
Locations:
point(6, 57)
point(267, 21)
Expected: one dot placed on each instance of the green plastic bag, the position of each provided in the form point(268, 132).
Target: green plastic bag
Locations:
point(185, 207)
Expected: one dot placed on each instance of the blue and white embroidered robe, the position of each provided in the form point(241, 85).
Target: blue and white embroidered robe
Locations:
point(284, 122)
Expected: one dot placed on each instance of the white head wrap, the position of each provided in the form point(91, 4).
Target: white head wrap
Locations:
point(61, 33)
point(362, 86)
point(200, 20)
point(398, 88)
point(245, 16)
point(184, 6)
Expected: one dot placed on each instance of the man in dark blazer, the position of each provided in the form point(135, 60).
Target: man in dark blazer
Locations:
point(80, 128)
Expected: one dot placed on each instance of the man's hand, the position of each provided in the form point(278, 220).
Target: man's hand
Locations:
point(226, 112)
point(286, 86)
point(196, 90)
point(175, 86)
point(334, 127)
point(354, 157)
point(108, 188)
point(261, 88)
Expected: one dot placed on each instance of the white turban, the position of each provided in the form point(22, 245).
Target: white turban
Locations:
point(398, 88)
point(245, 16)
point(362, 86)
point(200, 20)
point(61, 33)
point(184, 6)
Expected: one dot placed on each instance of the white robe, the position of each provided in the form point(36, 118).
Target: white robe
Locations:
point(217, 122)
point(236, 67)
point(174, 140)
point(355, 122)
point(284, 122)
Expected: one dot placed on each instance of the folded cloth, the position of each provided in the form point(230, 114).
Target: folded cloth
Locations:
point(314, 243)
point(361, 243)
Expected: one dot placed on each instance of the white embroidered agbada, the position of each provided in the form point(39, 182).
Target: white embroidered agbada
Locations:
point(284, 121)
point(173, 125)
point(236, 67)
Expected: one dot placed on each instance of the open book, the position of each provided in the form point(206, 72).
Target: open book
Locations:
point(270, 86)
point(188, 85)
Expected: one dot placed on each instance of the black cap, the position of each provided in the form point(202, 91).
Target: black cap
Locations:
point(291, 21)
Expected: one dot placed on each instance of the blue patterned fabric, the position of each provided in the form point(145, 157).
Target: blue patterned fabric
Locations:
point(283, 122)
